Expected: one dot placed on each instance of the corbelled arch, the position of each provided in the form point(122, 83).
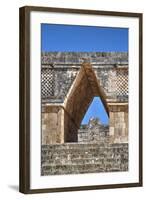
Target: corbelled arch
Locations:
point(67, 90)
point(84, 88)
point(61, 121)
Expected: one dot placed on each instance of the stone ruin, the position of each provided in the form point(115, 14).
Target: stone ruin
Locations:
point(69, 82)
point(93, 132)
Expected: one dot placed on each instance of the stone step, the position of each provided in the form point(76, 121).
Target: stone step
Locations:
point(52, 153)
point(79, 168)
point(92, 160)
point(96, 140)
point(71, 145)
point(74, 158)
point(81, 146)
point(81, 154)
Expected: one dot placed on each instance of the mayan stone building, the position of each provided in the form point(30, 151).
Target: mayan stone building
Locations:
point(69, 82)
point(94, 132)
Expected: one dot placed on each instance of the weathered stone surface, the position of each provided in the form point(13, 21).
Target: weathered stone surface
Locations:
point(52, 125)
point(68, 87)
point(84, 88)
point(79, 57)
point(74, 158)
point(118, 126)
point(111, 70)
point(94, 132)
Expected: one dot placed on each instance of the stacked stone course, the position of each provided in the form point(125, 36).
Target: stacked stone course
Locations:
point(77, 158)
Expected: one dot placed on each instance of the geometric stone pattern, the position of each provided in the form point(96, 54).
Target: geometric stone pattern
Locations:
point(70, 82)
point(47, 82)
point(56, 82)
point(122, 82)
point(67, 65)
point(85, 86)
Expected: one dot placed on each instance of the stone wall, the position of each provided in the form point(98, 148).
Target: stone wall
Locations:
point(94, 132)
point(74, 158)
point(79, 57)
point(118, 116)
point(70, 129)
point(56, 124)
point(70, 82)
point(65, 66)
point(52, 125)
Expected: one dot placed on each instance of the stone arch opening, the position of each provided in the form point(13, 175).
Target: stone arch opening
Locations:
point(84, 88)
point(97, 111)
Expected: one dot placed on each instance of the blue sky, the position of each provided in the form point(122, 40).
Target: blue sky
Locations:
point(96, 109)
point(85, 39)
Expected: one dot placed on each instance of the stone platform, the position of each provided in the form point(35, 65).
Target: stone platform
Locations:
point(79, 158)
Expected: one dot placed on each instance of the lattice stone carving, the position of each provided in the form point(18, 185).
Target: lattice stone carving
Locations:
point(47, 82)
point(122, 82)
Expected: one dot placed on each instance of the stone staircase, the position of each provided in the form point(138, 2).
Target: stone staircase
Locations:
point(77, 158)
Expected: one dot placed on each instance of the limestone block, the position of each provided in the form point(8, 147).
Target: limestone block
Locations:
point(111, 131)
point(52, 126)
